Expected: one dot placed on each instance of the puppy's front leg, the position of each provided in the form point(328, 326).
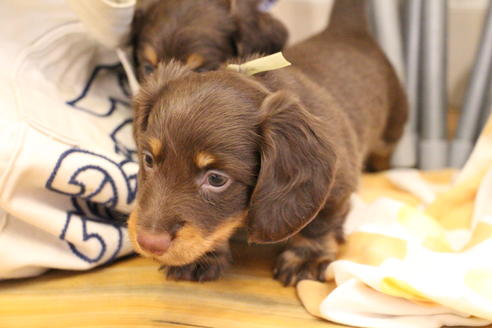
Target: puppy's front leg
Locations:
point(309, 253)
point(208, 267)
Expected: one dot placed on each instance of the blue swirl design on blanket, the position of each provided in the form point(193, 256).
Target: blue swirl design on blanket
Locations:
point(87, 221)
point(109, 82)
point(97, 186)
point(99, 72)
point(109, 172)
point(120, 146)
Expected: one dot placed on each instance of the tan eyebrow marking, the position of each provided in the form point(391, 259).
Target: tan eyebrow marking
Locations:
point(150, 54)
point(155, 146)
point(195, 60)
point(203, 159)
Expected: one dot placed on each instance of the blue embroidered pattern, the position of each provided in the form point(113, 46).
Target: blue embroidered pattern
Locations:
point(97, 185)
point(93, 200)
point(113, 101)
point(75, 185)
point(88, 222)
point(119, 145)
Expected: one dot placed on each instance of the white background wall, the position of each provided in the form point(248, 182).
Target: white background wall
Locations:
point(305, 17)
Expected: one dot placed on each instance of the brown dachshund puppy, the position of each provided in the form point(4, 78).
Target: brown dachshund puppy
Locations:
point(202, 33)
point(279, 152)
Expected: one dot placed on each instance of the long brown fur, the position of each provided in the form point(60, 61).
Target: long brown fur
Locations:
point(293, 142)
point(202, 34)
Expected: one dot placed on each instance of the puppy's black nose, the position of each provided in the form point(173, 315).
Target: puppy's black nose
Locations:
point(155, 243)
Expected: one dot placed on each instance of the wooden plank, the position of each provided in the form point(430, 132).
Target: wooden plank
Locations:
point(133, 293)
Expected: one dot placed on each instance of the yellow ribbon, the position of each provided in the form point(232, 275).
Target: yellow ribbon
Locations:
point(263, 64)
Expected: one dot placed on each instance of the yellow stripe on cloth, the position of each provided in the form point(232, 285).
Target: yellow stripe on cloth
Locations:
point(371, 248)
point(480, 281)
point(374, 186)
point(454, 209)
point(395, 287)
point(482, 232)
point(377, 185)
point(425, 228)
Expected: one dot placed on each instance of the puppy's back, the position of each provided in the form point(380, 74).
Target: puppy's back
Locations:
point(347, 63)
point(343, 49)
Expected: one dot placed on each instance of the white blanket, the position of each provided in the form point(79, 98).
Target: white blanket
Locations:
point(67, 168)
point(409, 263)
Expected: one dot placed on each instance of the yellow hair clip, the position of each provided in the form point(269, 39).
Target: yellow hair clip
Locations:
point(263, 64)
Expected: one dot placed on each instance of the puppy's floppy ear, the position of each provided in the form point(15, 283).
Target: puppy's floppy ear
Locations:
point(142, 7)
point(136, 29)
point(256, 31)
point(296, 174)
point(149, 91)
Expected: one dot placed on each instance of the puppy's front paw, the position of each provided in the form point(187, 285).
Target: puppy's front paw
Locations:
point(296, 263)
point(209, 267)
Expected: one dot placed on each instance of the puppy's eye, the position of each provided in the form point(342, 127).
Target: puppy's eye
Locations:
point(148, 68)
point(216, 181)
point(148, 159)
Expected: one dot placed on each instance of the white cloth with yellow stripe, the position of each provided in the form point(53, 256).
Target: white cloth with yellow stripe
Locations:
point(416, 265)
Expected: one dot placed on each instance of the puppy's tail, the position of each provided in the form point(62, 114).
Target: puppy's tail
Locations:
point(348, 16)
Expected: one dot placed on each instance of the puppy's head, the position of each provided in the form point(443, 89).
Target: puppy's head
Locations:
point(217, 151)
point(202, 34)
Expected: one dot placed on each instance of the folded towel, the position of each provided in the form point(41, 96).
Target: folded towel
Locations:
point(419, 257)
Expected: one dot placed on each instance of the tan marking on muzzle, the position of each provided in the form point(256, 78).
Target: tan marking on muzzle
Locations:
point(191, 243)
point(224, 231)
point(203, 159)
point(132, 231)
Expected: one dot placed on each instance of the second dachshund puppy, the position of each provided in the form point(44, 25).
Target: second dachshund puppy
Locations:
point(279, 152)
point(202, 33)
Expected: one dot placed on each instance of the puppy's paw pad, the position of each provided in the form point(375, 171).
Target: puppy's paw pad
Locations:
point(292, 268)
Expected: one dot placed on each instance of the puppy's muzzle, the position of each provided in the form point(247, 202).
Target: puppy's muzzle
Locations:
point(157, 243)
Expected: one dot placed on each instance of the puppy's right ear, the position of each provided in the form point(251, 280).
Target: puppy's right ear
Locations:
point(154, 84)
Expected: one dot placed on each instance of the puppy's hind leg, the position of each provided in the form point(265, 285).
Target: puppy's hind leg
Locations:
point(207, 268)
point(309, 253)
point(380, 158)
point(377, 162)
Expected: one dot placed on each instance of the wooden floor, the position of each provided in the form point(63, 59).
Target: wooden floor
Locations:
point(133, 293)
